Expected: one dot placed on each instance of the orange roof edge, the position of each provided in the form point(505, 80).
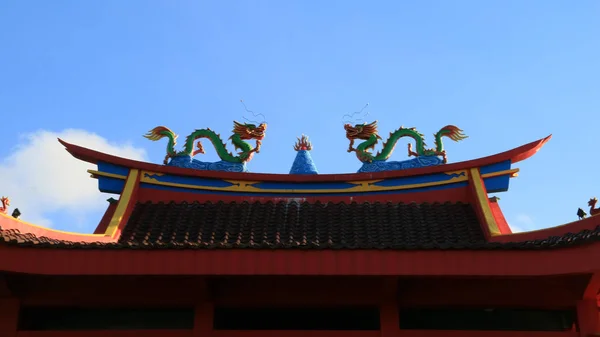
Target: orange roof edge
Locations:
point(7, 222)
point(589, 223)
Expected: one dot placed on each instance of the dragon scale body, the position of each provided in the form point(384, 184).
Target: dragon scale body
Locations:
point(219, 145)
point(390, 144)
point(368, 133)
point(240, 131)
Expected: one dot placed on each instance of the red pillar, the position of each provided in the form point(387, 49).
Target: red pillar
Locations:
point(203, 322)
point(587, 317)
point(9, 315)
point(388, 309)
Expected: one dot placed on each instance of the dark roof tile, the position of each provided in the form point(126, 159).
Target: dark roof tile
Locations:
point(305, 225)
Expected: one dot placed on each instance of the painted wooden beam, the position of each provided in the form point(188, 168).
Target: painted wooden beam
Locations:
point(482, 203)
point(593, 287)
point(125, 203)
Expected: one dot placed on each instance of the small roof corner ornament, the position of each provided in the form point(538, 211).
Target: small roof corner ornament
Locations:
point(593, 209)
point(581, 214)
point(4, 203)
point(16, 214)
point(303, 144)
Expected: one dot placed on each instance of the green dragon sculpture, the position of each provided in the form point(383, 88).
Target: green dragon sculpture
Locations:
point(241, 132)
point(370, 135)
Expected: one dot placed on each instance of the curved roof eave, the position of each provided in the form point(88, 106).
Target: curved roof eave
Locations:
point(590, 224)
point(9, 223)
point(515, 155)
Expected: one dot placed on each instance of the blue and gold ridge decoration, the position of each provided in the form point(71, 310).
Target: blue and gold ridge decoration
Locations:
point(364, 186)
point(111, 180)
point(382, 165)
point(188, 162)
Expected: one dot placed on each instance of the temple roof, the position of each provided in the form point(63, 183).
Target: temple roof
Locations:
point(303, 225)
point(350, 224)
point(161, 206)
point(292, 225)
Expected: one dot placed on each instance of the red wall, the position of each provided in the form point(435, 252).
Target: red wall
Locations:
point(548, 292)
point(9, 312)
point(406, 333)
point(108, 333)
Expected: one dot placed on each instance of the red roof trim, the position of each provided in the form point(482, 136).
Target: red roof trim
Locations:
point(457, 194)
point(105, 221)
point(589, 223)
point(499, 216)
point(514, 155)
point(298, 262)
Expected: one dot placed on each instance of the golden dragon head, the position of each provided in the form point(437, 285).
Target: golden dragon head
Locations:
point(5, 201)
point(592, 202)
point(361, 131)
point(250, 131)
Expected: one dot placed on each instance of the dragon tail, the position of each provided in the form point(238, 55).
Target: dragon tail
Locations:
point(160, 132)
point(450, 131)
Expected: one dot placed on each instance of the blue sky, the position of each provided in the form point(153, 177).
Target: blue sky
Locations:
point(506, 72)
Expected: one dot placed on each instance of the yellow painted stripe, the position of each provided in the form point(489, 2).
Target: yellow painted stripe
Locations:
point(513, 173)
point(483, 203)
point(246, 186)
point(123, 203)
point(49, 229)
point(95, 174)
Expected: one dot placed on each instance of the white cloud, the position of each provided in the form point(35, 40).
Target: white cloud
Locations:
point(515, 229)
point(522, 223)
point(525, 220)
point(41, 177)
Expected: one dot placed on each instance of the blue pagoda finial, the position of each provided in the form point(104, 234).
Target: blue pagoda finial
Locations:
point(303, 164)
